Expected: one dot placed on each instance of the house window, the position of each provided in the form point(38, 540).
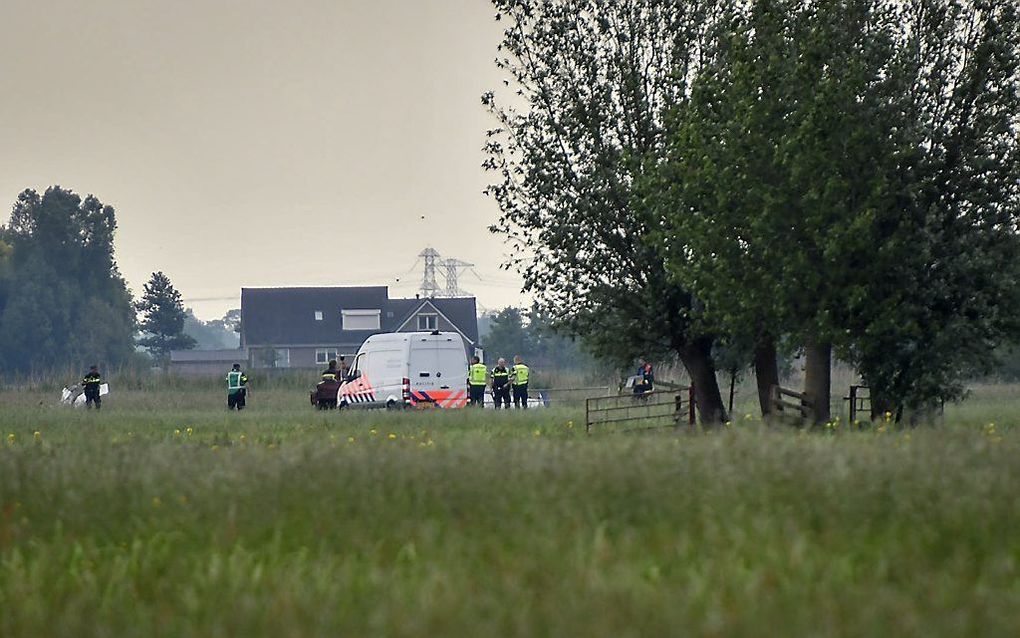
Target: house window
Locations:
point(318, 315)
point(428, 322)
point(325, 355)
point(361, 319)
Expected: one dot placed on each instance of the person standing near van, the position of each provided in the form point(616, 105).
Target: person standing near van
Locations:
point(237, 388)
point(330, 374)
point(519, 373)
point(477, 376)
point(501, 384)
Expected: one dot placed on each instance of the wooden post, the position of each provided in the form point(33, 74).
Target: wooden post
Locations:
point(733, 382)
point(692, 418)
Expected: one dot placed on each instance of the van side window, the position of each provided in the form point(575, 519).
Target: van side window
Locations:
point(357, 366)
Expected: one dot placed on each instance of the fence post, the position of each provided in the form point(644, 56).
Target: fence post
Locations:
point(692, 418)
point(853, 405)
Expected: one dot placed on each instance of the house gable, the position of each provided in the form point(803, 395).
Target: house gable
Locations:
point(444, 322)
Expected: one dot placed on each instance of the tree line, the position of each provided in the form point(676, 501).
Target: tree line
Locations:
point(681, 178)
point(64, 303)
point(529, 333)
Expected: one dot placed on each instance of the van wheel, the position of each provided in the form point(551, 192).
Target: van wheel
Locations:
point(392, 405)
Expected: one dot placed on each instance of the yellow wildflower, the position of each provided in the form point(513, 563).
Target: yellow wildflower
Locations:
point(11, 438)
point(190, 431)
point(392, 436)
point(38, 436)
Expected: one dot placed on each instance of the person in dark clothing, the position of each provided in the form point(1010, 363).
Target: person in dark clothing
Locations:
point(646, 378)
point(501, 385)
point(324, 395)
point(331, 373)
point(90, 384)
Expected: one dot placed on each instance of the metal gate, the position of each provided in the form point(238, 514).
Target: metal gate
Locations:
point(651, 410)
point(860, 401)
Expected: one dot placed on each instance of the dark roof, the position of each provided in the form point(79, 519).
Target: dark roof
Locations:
point(286, 316)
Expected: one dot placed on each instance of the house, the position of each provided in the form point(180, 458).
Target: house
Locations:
point(305, 327)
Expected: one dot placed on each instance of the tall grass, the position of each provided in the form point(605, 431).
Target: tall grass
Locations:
point(164, 515)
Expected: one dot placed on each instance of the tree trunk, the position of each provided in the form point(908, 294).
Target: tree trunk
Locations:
point(818, 378)
point(697, 358)
point(766, 372)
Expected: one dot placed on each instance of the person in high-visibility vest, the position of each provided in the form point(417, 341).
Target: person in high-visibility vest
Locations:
point(237, 388)
point(501, 384)
point(477, 376)
point(519, 381)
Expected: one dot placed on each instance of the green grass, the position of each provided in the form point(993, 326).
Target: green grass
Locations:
point(281, 521)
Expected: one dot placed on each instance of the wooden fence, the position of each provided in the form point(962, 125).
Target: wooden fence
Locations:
point(782, 407)
point(652, 410)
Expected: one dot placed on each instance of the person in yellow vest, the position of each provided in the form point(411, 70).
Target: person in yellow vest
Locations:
point(519, 382)
point(477, 376)
point(237, 388)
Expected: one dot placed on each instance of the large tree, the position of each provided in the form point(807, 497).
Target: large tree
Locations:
point(591, 83)
point(950, 278)
point(848, 171)
point(163, 318)
point(64, 301)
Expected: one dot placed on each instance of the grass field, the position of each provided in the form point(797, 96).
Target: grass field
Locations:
point(165, 515)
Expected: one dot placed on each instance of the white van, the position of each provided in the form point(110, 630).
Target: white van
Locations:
point(406, 369)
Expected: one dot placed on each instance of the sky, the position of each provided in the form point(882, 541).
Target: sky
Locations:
point(261, 142)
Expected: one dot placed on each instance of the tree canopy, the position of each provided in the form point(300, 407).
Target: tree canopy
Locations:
point(840, 175)
point(513, 331)
point(848, 171)
point(591, 85)
point(62, 300)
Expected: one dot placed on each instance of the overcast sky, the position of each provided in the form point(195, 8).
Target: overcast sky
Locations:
point(260, 142)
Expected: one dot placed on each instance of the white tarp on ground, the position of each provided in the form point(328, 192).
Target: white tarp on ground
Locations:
point(76, 397)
